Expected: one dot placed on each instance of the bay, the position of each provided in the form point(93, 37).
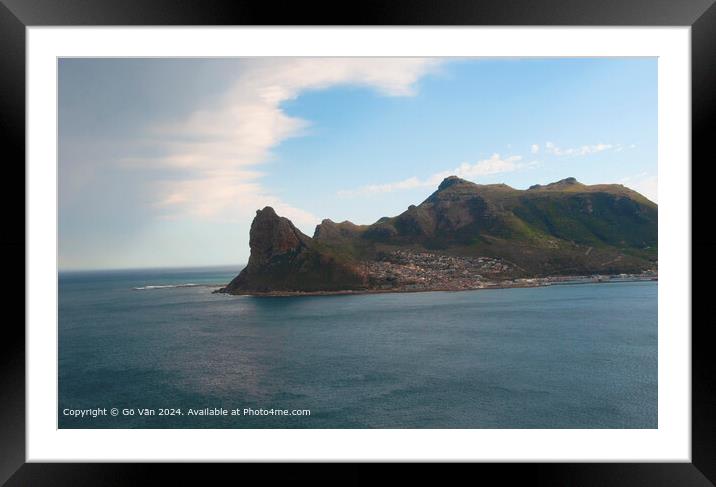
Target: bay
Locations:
point(572, 356)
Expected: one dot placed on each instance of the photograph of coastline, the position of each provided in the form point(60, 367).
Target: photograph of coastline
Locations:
point(357, 243)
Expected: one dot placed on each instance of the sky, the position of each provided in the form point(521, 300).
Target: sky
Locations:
point(164, 162)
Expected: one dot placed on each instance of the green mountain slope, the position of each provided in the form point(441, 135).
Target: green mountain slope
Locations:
point(563, 228)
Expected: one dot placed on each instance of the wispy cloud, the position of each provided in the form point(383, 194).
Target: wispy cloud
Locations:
point(494, 165)
point(215, 152)
point(584, 150)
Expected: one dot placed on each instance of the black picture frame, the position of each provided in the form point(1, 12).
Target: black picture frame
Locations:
point(16, 15)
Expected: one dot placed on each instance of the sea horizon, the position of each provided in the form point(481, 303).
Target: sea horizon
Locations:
point(151, 268)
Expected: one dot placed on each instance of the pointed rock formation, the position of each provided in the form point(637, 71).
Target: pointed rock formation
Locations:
point(284, 259)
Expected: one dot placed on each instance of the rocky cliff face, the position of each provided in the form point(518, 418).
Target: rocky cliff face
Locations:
point(284, 259)
point(272, 236)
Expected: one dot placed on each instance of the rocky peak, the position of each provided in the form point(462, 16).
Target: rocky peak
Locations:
point(327, 228)
point(566, 182)
point(451, 181)
point(330, 230)
point(557, 184)
point(273, 235)
point(284, 259)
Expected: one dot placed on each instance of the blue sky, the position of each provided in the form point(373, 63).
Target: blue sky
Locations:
point(163, 162)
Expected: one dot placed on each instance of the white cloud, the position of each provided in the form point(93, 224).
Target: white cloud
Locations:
point(534, 149)
point(215, 150)
point(553, 149)
point(494, 165)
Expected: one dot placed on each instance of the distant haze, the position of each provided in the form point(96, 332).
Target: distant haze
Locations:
point(164, 162)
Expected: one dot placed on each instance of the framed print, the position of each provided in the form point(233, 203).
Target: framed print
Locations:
point(416, 233)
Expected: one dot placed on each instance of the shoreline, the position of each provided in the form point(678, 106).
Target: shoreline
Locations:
point(528, 283)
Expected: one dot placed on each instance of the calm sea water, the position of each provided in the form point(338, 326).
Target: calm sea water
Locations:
point(574, 356)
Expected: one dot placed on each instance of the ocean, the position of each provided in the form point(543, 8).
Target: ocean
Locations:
point(157, 348)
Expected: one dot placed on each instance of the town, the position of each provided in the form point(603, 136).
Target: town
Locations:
point(406, 270)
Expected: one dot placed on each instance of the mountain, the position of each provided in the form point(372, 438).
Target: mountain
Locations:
point(284, 259)
point(462, 233)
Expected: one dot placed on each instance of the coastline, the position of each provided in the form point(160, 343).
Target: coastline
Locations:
point(518, 284)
